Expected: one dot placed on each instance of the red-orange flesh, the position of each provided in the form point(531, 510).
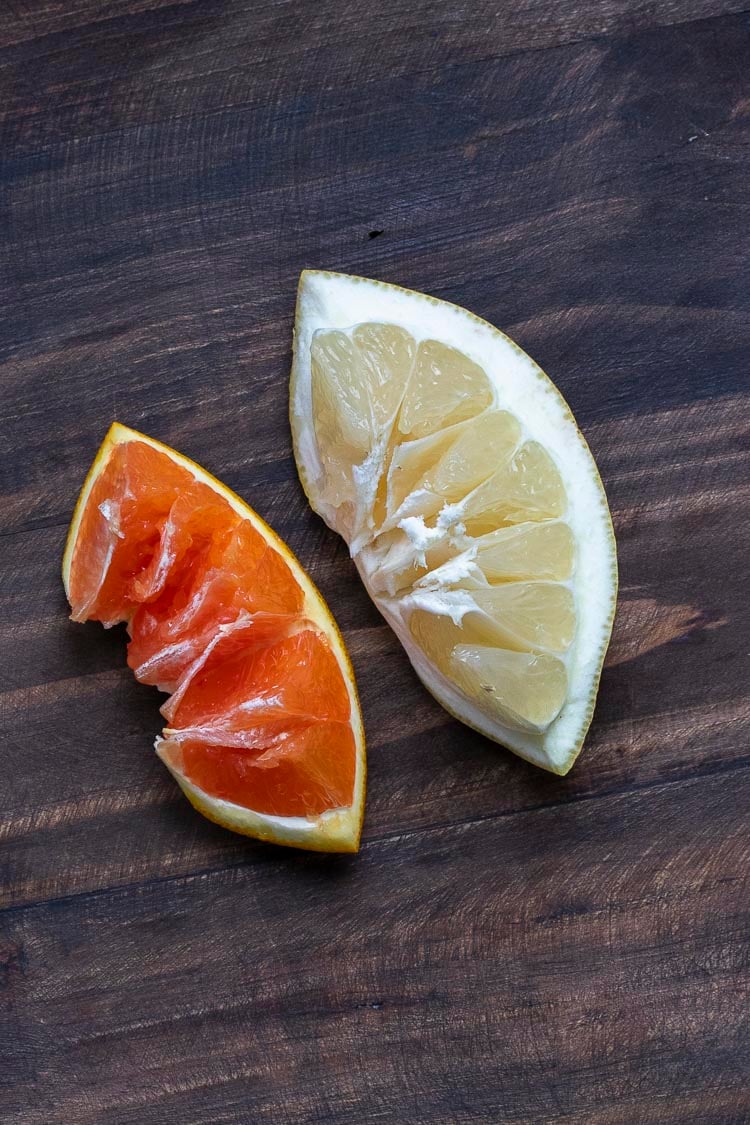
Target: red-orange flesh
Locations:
point(259, 712)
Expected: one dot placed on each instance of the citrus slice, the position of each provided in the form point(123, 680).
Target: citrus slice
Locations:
point(264, 733)
point(469, 500)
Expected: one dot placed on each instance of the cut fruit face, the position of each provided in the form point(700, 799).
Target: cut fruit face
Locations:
point(264, 733)
point(469, 501)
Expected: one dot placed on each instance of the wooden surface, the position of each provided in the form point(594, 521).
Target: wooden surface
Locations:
point(508, 947)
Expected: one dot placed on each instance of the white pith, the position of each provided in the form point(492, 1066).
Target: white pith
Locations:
point(334, 301)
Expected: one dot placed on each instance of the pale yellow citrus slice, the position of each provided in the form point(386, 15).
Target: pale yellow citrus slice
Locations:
point(469, 500)
point(264, 732)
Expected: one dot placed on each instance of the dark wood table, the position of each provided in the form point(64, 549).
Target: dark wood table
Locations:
point(508, 946)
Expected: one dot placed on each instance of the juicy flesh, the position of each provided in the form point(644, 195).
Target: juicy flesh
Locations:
point(456, 519)
point(259, 711)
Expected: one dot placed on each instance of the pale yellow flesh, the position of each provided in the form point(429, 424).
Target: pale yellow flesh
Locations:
point(410, 431)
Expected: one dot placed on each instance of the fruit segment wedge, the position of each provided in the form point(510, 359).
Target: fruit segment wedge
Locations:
point(264, 732)
point(469, 500)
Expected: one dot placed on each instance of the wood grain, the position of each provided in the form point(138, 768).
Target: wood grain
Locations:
point(508, 947)
point(313, 989)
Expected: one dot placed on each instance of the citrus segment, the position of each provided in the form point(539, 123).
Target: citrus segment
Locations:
point(444, 387)
point(449, 464)
point(533, 550)
point(526, 487)
point(304, 773)
point(386, 354)
point(525, 690)
point(252, 673)
point(229, 570)
point(528, 615)
point(119, 530)
point(264, 728)
point(469, 501)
